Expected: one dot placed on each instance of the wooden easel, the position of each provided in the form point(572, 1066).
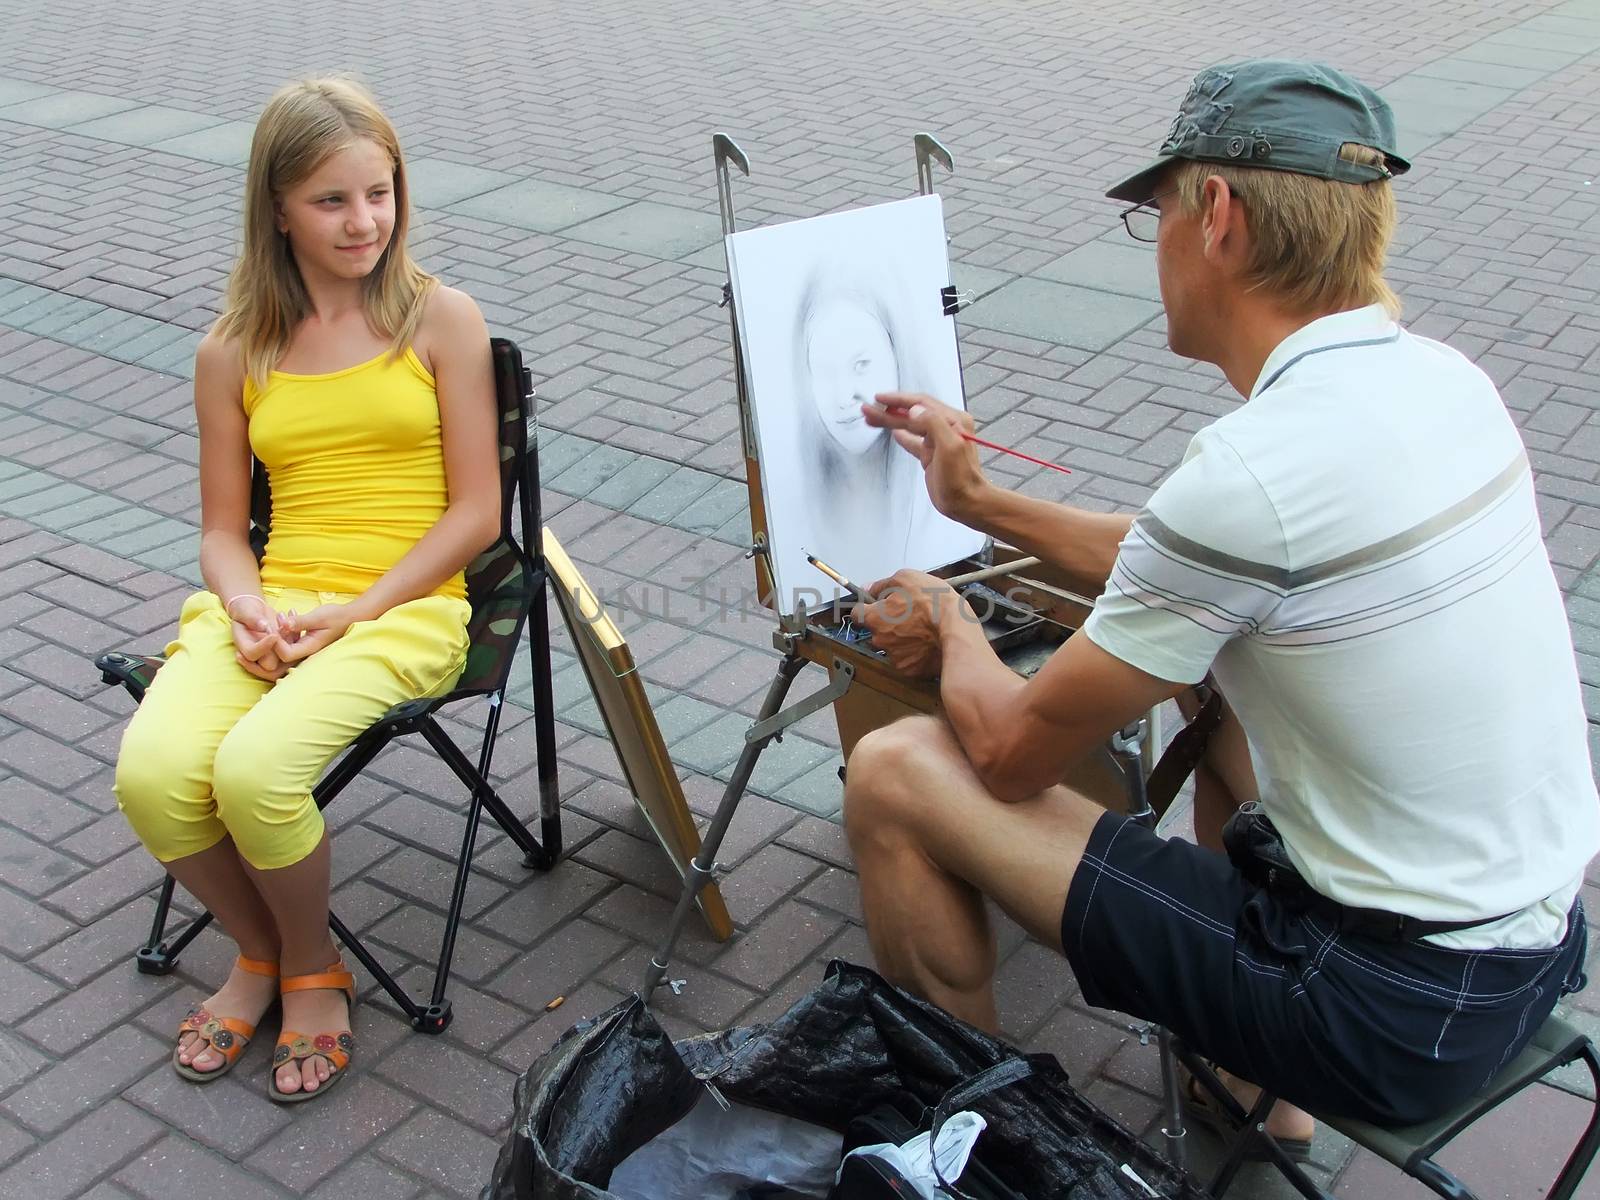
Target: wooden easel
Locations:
point(865, 692)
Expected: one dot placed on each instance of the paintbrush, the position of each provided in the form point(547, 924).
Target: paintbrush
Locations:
point(840, 579)
point(988, 445)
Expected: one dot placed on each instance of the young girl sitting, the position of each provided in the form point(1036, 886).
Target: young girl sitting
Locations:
point(366, 389)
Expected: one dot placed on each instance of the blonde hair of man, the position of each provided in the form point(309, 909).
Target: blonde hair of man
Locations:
point(1316, 245)
point(300, 127)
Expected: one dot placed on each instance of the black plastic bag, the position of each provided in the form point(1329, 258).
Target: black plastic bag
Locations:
point(614, 1083)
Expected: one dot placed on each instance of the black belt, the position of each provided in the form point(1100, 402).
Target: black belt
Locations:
point(1385, 926)
point(1257, 850)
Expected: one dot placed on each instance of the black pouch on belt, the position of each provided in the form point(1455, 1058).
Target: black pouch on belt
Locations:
point(1256, 848)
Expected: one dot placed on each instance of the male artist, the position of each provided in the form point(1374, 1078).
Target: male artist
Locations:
point(1354, 557)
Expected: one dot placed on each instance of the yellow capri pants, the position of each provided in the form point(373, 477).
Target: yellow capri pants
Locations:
point(213, 751)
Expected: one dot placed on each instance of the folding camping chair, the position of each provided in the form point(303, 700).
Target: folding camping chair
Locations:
point(506, 589)
point(1413, 1149)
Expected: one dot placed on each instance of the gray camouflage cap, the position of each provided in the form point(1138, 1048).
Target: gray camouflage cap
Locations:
point(1278, 115)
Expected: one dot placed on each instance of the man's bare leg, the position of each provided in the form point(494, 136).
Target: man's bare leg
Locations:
point(931, 842)
point(1223, 780)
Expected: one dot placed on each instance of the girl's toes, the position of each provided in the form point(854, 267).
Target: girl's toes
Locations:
point(289, 1079)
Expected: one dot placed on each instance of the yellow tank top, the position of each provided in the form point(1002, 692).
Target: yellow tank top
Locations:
point(356, 463)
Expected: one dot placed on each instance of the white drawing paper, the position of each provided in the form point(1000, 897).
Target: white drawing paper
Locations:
point(831, 311)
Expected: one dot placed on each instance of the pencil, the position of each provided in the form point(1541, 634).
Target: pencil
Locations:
point(840, 579)
point(988, 445)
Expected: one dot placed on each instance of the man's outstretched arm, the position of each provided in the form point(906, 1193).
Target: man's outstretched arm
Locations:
point(1080, 542)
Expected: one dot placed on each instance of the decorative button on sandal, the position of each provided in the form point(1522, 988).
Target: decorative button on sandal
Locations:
point(228, 1036)
point(337, 1048)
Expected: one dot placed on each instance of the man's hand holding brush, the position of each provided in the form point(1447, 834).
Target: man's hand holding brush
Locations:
point(935, 434)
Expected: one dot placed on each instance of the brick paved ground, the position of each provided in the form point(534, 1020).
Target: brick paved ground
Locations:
point(561, 162)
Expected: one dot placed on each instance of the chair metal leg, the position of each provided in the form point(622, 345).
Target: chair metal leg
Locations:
point(1440, 1181)
point(1582, 1156)
point(544, 722)
point(157, 957)
point(1251, 1131)
point(476, 780)
point(1172, 1130)
point(432, 1018)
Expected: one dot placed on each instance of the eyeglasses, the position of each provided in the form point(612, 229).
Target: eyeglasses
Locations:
point(1143, 221)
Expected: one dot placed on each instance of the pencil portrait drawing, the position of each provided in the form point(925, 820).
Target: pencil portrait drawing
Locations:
point(833, 311)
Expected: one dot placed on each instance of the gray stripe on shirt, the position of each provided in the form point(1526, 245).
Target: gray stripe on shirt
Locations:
point(1285, 580)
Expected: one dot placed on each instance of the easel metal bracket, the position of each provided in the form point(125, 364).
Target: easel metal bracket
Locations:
point(840, 678)
point(726, 151)
point(929, 150)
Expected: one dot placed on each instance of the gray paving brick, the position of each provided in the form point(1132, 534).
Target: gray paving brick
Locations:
point(63, 109)
point(592, 470)
point(444, 1151)
point(227, 144)
point(66, 1165)
point(659, 230)
point(80, 1084)
point(1062, 313)
point(14, 1140)
point(723, 502)
point(14, 91)
point(539, 205)
point(305, 1153)
point(75, 511)
point(162, 531)
point(146, 125)
point(626, 486)
point(151, 1174)
point(673, 495)
point(438, 182)
point(367, 1179)
point(1122, 267)
point(818, 791)
point(454, 1080)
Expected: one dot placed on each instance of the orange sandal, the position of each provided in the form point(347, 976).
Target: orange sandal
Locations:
point(337, 1048)
point(228, 1036)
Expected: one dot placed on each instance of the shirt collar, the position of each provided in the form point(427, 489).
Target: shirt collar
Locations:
point(1356, 325)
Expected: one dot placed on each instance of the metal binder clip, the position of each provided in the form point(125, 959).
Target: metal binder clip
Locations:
point(954, 301)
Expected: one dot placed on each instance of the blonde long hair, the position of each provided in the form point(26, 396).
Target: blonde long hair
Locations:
point(300, 127)
point(1318, 245)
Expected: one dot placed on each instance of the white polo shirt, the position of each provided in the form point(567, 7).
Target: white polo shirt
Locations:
point(1355, 553)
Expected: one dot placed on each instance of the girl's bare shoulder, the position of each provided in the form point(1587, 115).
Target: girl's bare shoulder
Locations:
point(450, 321)
point(447, 309)
point(219, 358)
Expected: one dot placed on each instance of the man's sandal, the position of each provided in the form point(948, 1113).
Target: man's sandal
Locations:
point(295, 1047)
point(1200, 1105)
point(228, 1036)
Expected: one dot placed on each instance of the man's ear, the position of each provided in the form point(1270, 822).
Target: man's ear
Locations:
point(1221, 218)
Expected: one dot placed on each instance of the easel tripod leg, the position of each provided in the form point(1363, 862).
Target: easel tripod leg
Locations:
point(700, 870)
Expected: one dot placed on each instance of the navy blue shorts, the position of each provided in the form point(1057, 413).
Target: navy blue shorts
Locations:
point(1389, 1033)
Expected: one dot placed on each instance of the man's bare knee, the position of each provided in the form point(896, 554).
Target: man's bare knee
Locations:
point(889, 767)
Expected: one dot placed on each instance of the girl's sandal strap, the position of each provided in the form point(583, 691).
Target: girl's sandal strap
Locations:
point(335, 1047)
point(228, 1036)
point(335, 978)
point(257, 966)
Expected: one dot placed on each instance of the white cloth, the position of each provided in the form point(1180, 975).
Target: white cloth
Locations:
point(914, 1159)
point(1355, 553)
